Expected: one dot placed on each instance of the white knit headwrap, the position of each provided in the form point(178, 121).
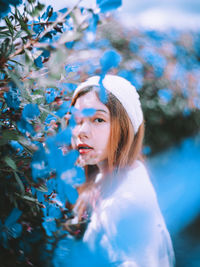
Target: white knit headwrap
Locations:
point(124, 91)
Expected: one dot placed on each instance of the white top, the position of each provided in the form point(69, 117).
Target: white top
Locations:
point(126, 229)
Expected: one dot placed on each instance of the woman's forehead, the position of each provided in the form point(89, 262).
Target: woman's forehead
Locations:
point(90, 100)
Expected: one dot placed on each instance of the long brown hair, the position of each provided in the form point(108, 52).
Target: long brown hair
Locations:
point(124, 148)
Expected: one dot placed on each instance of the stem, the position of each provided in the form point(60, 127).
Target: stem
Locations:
point(49, 112)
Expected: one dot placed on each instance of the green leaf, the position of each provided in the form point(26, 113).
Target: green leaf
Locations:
point(28, 56)
point(10, 162)
point(42, 188)
point(16, 79)
point(3, 28)
point(19, 34)
point(25, 27)
point(10, 26)
point(10, 135)
point(4, 46)
point(19, 183)
point(31, 199)
point(16, 62)
point(43, 116)
point(4, 34)
point(36, 11)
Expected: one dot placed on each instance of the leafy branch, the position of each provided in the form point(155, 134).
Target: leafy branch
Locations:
point(30, 43)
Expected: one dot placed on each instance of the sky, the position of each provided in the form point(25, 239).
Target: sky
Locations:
point(156, 14)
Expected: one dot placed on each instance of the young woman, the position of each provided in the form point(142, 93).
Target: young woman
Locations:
point(126, 227)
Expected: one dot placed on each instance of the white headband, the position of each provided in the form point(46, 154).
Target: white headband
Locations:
point(124, 91)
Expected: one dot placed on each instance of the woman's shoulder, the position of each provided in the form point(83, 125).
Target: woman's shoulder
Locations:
point(134, 192)
point(136, 185)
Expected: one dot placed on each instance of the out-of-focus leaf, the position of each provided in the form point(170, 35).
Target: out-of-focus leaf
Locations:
point(10, 162)
point(108, 5)
point(30, 112)
point(4, 34)
point(28, 56)
point(110, 59)
point(21, 186)
point(15, 78)
point(13, 217)
point(10, 135)
point(69, 37)
point(36, 11)
point(42, 188)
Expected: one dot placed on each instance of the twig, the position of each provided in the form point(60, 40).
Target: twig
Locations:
point(51, 27)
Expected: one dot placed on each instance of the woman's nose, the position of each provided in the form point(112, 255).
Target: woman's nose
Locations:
point(82, 130)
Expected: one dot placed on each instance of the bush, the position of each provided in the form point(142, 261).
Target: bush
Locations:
point(40, 52)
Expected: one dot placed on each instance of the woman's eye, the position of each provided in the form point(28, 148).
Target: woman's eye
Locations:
point(98, 120)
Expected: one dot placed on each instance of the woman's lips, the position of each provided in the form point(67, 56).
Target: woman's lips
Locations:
point(84, 148)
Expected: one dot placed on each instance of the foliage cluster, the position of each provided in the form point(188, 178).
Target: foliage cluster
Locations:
point(38, 48)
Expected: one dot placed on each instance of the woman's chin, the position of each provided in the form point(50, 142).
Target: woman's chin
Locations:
point(84, 160)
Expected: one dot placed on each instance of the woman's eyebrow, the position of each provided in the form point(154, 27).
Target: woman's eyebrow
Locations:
point(101, 110)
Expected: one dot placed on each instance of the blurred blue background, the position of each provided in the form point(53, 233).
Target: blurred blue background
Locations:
point(175, 174)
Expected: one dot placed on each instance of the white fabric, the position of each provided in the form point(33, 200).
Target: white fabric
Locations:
point(126, 229)
point(124, 91)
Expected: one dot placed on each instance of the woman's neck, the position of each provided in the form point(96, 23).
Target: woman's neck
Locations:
point(103, 167)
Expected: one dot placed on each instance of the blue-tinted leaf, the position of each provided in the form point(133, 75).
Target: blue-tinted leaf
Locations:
point(51, 94)
point(19, 148)
point(72, 68)
point(30, 112)
point(49, 225)
point(54, 211)
point(72, 194)
point(63, 10)
point(55, 146)
point(12, 97)
point(74, 176)
point(107, 5)
point(69, 45)
point(13, 217)
point(15, 230)
point(49, 118)
point(39, 165)
point(110, 59)
point(24, 126)
point(38, 62)
point(63, 109)
point(48, 11)
point(88, 112)
point(53, 16)
point(102, 92)
point(37, 27)
point(45, 53)
point(69, 87)
point(63, 137)
point(67, 192)
point(90, 33)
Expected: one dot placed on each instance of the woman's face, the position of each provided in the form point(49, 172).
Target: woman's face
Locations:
point(91, 134)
